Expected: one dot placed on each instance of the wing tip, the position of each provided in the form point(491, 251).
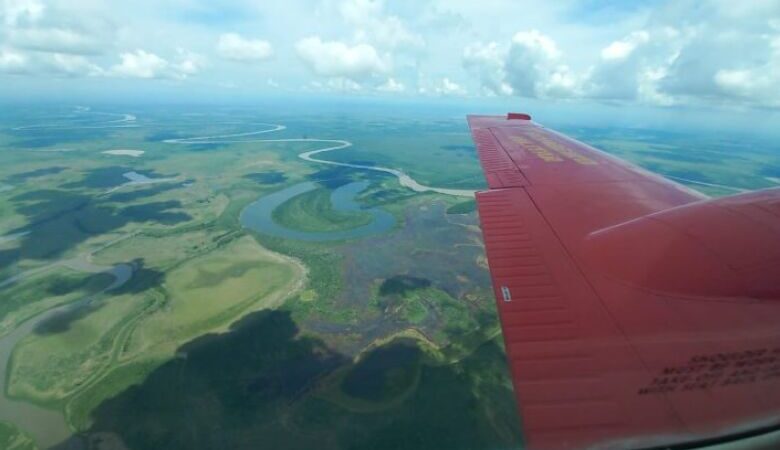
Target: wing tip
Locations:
point(490, 121)
point(518, 116)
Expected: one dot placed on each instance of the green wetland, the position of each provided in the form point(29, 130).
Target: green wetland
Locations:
point(208, 278)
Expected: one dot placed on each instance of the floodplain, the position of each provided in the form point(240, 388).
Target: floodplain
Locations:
point(188, 280)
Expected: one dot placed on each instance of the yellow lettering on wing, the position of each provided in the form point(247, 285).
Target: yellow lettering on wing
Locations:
point(567, 152)
point(543, 153)
point(551, 151)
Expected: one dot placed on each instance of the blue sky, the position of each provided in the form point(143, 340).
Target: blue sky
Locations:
point(715, 55)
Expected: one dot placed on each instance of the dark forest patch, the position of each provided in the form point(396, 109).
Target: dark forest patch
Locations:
point(401, 284)
point(269, 177)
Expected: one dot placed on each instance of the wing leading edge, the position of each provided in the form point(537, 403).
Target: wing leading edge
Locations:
point(636, 313)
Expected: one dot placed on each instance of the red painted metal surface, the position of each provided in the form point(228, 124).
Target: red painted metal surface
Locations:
point(518, 116)
point(636, 313)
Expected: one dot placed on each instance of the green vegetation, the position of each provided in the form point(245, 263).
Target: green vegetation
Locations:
point(698, 161)
point(415, 305)
point(400, 284)
point(49, 367)
point(12, 438)
point(467, 207)
point(385, 373)
point(423, 153)
point(196, 272)
point(122, 336)
point(45, 290)
point(320, 299)
point(223, 338)
point(276, 388)
point(269, 177)
point(388, 194)
point(209, 293)
point(313, 211)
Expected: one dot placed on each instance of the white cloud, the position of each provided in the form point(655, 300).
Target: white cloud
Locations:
point(534, 68)
point(756, 83)
point(539, 44)
point(73, 65)
point(718, 60)
point(374, 26)
point(351, 86)
point(143, 64)
point(530, 66)
point(53, 27)
point(736, 82)
point(188, 63)
point(681, 52)
point(632, 68)
point(337, 59)
point(623, 48)
point(343, 85)
point(443, 88)
point(237, 48)
point(391, 86)
point(55, 40)
point(722, 65)
point(14, 12)
point(647, 86)
point(12, 62)
point(41, 30)
point(54, 64)
point(705, 52)
point(730, 55)
point(448, 87)
point(337, 84)
point(356, 11)
point(487, 62)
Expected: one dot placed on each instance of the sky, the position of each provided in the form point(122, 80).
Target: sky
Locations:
point(721, 56)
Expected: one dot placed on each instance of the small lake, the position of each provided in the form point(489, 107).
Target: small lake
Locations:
point(139, 178)
point(136, 177)
point(258, 215)
point(12, 237)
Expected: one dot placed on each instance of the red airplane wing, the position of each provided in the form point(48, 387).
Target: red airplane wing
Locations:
point(636, 313)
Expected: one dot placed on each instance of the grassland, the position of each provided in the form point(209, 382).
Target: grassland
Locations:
point(424, 157)
point(466, 207)
point(313, 211)
point(45, 290)
point(12, 438)
point(223, 338)
point(209, 293)
point(193, 272)
point(74, 203)
point(49, 367)
point(324, 283)
point(130, 333)
point(715, 164)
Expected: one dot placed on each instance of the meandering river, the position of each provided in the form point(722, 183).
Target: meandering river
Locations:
point(258, 216)
point(49, 427)
point(331, 145)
